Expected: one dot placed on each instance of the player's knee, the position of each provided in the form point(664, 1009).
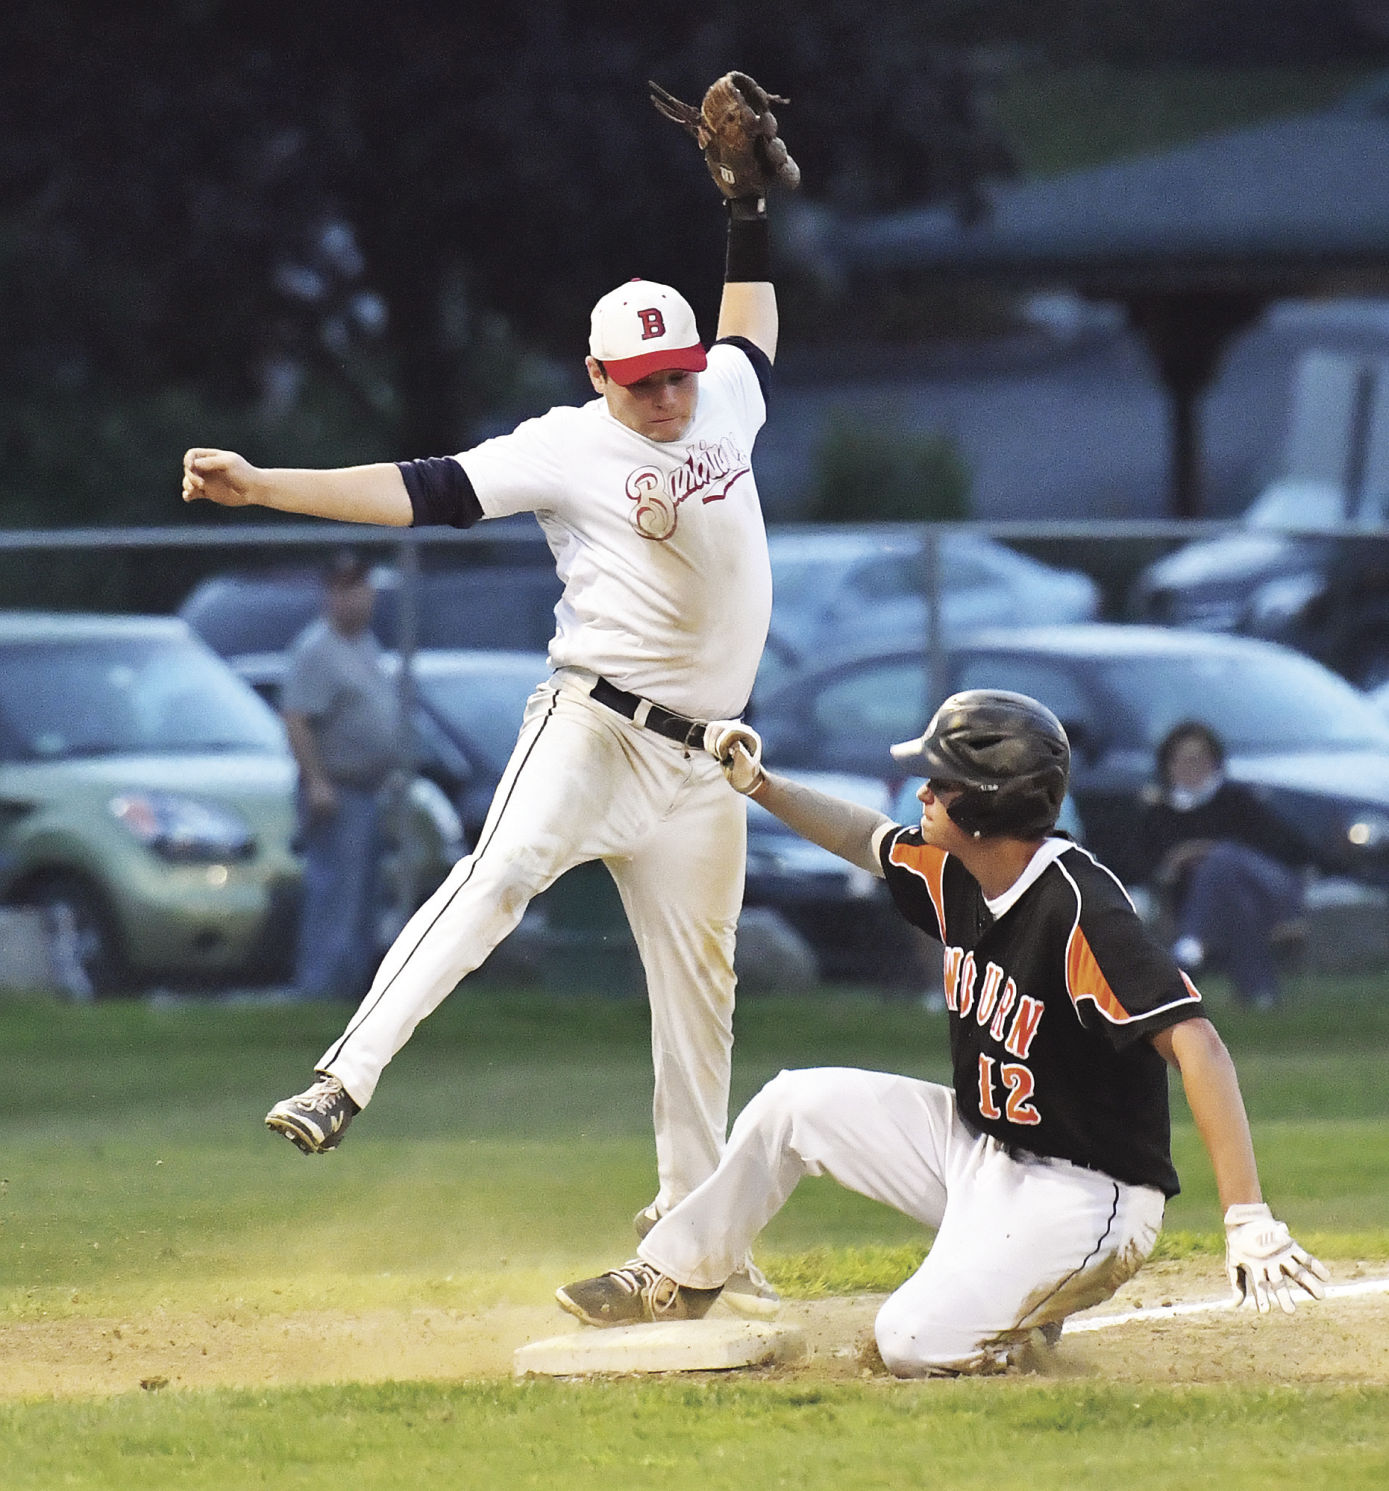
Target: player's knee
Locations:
point(923, 1344)
point(786, 1100)
point(905, 1345)
point(791, 1088)
point(511, 881)
point(795, 1115)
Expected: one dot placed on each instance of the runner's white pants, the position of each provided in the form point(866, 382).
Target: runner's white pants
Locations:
point(1021, 1241)
point(584, 783)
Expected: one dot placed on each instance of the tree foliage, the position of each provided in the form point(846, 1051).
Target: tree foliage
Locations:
point(354, 229)
point(243, 200)
point(867, 474)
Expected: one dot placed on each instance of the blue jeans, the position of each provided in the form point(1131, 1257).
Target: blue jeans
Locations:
point(337, 935)
point(1234, 899)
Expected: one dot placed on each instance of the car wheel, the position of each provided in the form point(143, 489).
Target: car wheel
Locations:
point(87, 954)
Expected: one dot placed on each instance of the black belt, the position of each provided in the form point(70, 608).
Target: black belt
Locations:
point(648, 715)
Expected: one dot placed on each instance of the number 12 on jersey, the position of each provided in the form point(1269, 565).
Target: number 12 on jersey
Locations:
point(1017, 1080)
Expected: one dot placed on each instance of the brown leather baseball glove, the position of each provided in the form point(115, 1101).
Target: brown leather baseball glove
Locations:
point(737, 131)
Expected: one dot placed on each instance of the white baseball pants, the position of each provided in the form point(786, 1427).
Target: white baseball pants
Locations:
point(1021, 1241)
point(584, 783)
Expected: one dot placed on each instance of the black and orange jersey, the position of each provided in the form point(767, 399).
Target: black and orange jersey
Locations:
point(1049, 1005)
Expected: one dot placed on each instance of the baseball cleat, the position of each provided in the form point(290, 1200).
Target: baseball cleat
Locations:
point(314, 1120)
point(632, 1294)
point(746, 1293)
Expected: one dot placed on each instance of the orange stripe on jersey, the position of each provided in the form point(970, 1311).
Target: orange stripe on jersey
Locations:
point(928, 863)
point(1085, 981)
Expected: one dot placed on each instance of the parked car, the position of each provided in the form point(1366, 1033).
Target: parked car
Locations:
point(147, 804)
point(1325, 593)
point(1296, 732)
point(147, 799)
point(499, 604)
point(839, 586)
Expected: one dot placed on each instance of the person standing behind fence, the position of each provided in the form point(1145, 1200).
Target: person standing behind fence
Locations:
point(1224, 866)
point(341, 714)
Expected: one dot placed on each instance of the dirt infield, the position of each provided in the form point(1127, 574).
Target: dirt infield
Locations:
point(1343, 1340)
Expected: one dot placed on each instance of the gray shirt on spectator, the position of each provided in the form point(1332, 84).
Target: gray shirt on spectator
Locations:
point(341, 688)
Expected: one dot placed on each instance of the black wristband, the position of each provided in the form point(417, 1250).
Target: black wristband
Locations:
point(749, 241)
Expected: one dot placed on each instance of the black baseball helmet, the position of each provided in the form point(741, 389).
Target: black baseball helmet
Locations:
point(1006, 750)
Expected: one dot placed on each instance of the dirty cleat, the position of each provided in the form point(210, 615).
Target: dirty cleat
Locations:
point(746, 1293)
point(749, 1294)
point(634, 1293)
point(315, 1120)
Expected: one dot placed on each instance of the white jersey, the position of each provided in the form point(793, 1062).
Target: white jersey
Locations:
point(660, 546)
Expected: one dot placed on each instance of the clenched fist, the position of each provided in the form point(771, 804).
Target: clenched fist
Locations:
point(219, 475)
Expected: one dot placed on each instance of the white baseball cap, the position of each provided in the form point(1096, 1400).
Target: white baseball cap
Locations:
point(641, 328)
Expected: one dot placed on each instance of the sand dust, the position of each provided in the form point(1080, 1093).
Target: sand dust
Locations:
point(1342, 1340)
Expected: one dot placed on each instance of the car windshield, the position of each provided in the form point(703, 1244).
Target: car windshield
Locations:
point(128, 695)
point(807, 577)
point(484, 706)
point(1259, 705)
point(802, 580)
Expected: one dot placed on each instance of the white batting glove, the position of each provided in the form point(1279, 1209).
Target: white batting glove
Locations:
point(1263, 1262)
point(738, 749)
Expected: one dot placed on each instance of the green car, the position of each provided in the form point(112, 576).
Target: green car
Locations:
point(147, 802)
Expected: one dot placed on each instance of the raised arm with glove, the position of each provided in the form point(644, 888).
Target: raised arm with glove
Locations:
point(735, 128)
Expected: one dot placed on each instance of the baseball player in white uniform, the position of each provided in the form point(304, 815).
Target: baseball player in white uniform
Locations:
point(647, 498)
point(1044, 1169)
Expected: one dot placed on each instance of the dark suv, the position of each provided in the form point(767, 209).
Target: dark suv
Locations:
point(1304, 568)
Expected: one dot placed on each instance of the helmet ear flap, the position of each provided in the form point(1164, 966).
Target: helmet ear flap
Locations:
point(971, 811)
point(1026, 807)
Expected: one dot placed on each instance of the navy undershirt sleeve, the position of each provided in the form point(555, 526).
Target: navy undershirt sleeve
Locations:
point(441, 493)
point(761, 363)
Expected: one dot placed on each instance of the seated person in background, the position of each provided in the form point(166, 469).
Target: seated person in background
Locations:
point(1224, 866)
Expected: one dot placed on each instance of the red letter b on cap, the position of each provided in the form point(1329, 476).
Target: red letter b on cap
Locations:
point(652, 324)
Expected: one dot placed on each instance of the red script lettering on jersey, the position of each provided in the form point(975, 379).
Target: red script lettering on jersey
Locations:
point(707, 472)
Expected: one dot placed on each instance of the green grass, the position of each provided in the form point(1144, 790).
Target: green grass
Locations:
point(506, 1149)
point(710, 1435)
